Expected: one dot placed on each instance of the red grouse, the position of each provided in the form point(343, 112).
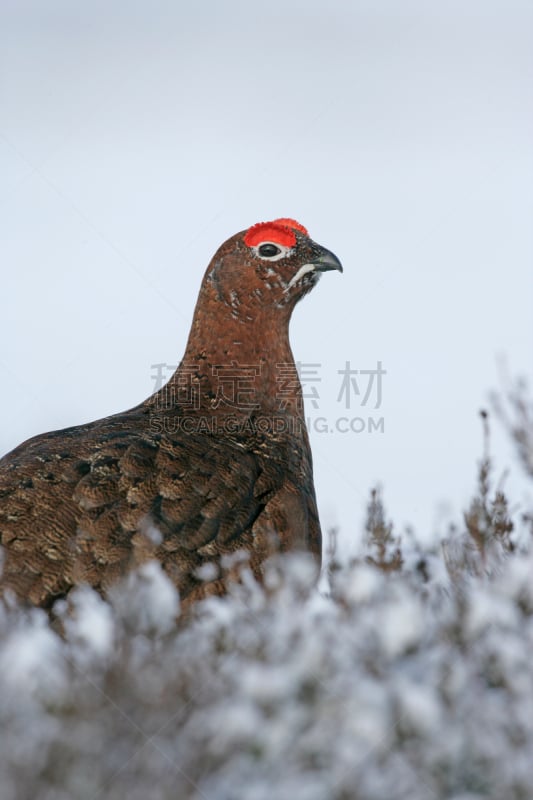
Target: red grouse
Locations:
point(216, 461)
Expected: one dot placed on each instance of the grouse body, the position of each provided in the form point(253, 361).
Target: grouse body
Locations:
point(215, 462)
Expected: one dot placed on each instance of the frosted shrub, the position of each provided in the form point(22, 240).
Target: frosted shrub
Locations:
point(384, 689)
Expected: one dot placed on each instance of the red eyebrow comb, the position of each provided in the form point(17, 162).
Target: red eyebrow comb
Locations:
point(280, 231)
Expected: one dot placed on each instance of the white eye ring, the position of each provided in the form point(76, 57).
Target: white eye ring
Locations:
point(282, 251)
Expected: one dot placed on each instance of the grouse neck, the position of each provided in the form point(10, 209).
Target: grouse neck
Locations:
point(238, 369)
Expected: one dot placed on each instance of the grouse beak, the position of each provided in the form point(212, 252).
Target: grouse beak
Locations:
point(322, 263)
point(326, 261)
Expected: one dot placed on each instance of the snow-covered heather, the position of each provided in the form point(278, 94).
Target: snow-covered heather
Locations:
point(399, 684)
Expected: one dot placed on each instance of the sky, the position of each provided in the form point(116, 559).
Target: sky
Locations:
point(136, 137)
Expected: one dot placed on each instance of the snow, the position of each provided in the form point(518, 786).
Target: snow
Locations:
point(402, 624)
point(31, 661)
point(396, 685)
point(89, 621)
point(148, 599)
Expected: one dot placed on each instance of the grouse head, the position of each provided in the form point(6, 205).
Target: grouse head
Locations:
point(269, 266)
point(245, 303)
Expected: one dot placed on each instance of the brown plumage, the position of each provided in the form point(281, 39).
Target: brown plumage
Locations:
point(217, 461)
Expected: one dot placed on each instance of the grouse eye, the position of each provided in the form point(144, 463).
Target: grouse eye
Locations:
point(268, 250)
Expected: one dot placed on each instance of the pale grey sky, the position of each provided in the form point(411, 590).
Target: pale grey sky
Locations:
point(135, 137)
